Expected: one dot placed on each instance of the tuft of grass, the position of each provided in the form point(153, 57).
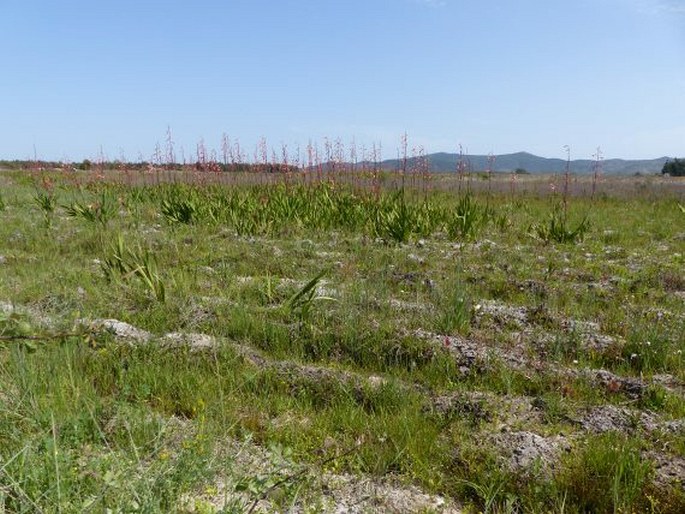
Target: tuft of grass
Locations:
point(454, 311)
point(607, 474)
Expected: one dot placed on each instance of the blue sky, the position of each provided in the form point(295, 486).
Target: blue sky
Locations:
point(494, 76)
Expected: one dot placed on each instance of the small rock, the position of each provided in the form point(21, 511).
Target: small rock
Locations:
point(376, 382)
point(407, 306)
point(6, 308)
point(122, 330)
point(668, 382)
point(529, 451)
point(473, 405)
point(416, 258)
point(608, 418)
point(327, 292)
point(669, 470)
point(676, 427)
point(193, 340)
point(633, 387)
point(502, 313)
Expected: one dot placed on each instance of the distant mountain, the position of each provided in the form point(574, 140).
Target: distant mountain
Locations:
point(447, 162)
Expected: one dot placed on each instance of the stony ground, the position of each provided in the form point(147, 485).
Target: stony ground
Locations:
point(479, 369)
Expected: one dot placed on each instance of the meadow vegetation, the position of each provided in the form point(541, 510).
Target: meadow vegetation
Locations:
point(189, 342)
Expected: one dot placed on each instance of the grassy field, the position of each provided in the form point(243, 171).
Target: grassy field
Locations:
point(188, 344)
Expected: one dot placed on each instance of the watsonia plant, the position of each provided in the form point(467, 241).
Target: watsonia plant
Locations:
point(100, 212)
point(302, 301)
point(428, 217)
point(393, 220)
point(123, 263)
point(47, 203)
point(466, 218)
point(558, 228)
point(178, 210)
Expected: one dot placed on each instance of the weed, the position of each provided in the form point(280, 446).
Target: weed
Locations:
point(17, 330)
point(280, 482)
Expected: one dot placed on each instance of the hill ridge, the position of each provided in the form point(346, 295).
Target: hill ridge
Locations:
point(446, 162)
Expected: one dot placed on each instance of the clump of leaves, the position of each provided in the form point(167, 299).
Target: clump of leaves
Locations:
point(100, 212)
point(46, 202)
point(179, 210)
point(244, 225)
point(302, 302)
point(123, 263)
point(466, 218)
point(393, 220)
point(558, 228)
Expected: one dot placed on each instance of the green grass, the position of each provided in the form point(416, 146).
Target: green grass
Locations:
point(339, 321)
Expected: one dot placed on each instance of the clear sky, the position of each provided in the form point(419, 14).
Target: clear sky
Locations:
point(494, 76)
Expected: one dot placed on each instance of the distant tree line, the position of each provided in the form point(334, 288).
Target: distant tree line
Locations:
point(88, 165)
point(674, 168)
point(24, 165)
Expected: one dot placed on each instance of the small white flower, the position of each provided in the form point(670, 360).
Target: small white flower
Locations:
point(575, 361)
point(633, 356)
point(648, 343)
